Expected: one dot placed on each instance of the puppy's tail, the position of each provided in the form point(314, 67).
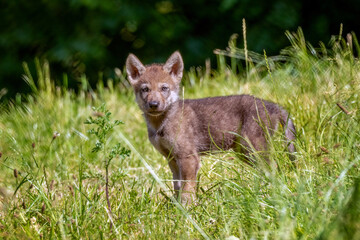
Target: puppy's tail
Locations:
point(290, 133)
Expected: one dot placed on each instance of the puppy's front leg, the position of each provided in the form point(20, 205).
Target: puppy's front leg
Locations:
point(188, 168)
point(176, 175)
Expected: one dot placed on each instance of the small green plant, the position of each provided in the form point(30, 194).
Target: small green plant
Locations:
point(102, 129)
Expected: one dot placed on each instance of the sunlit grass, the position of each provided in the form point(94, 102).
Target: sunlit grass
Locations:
point(53, 186)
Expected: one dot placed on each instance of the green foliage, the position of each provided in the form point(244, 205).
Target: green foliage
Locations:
point(47, 160)
point(91, 36)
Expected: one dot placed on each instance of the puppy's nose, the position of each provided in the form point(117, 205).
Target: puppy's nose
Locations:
point(153, 104)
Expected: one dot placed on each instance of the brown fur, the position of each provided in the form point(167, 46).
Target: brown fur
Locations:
point(181, 130)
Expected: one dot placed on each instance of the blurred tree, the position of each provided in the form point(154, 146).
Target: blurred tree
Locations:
point(92, 36)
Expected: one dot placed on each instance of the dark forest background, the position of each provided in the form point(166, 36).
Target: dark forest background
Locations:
point(95, 36)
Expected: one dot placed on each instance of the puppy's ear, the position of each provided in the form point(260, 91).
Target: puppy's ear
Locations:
point(134, 68)
point(175, 66)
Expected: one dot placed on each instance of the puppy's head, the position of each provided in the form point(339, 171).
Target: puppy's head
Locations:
point(156, 86)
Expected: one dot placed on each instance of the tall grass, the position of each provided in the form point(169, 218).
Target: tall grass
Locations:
point(53, 185)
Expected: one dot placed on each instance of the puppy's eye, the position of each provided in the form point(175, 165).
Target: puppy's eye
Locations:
point(145, 89)
point(164, 88)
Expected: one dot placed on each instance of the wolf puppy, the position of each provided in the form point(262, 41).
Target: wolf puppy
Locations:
point(181, 130)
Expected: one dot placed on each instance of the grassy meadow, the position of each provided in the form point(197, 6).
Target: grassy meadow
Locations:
point(53, 185)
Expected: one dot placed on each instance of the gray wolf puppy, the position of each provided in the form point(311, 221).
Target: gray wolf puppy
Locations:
point(181, 130)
